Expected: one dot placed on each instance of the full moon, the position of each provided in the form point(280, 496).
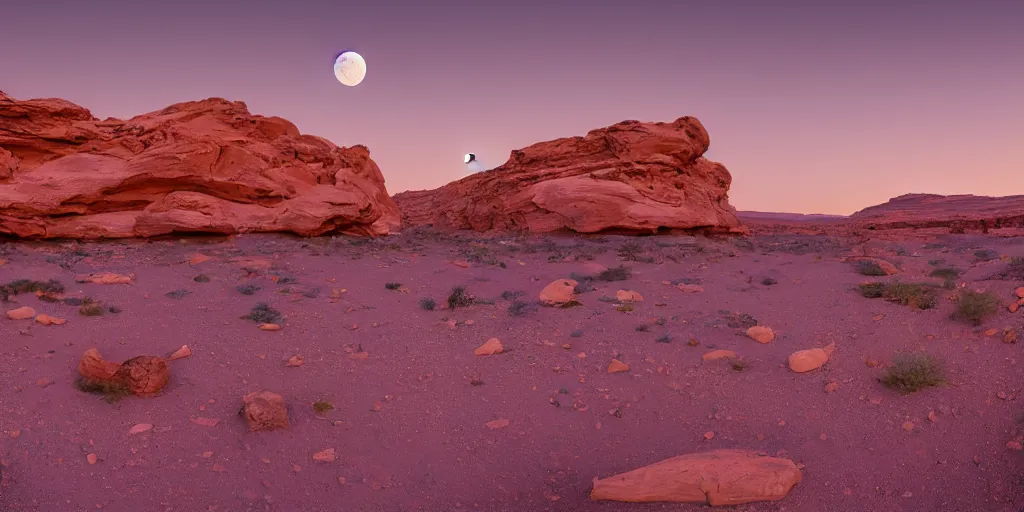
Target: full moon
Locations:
point(350, 68)
point(469, 157)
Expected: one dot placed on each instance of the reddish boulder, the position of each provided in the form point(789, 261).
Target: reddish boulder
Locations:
point(716, 478)
point(202, 167)
point(630, 177)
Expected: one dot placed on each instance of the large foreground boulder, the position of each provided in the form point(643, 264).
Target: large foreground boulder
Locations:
point(198, 167)
point(629, 177)
point(718, 477)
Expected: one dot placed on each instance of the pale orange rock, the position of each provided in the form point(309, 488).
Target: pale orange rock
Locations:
point(139, 428)
point(1010, 336)
point(264, 410)
point(325, 455)
point(270, 327)
point(295, 361)
point(1019, 292)
point(1013, 307)
point(205, 422)
point(92, 458)
point(22, 313)
point(931, 416)
point(908, 426)
point(715, 355)
point(715, 478)
point(709, 435)
point(761, 334)
point(631, 176)
point(831, 386)
point(628, 296)
point(460, 263)
point(205, 166)
point(498, 423)
point(806, 360)
point(359, 356)
point(617, 366)
point(181, 353)
point(559, 293)
point(991, 332)
point(104, 278)
point(50, 320)
point(690, 288)
point(489, 348)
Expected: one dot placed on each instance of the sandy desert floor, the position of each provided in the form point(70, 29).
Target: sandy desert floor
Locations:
point(409, 423)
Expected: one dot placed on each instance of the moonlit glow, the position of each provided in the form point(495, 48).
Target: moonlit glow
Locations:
point(468, 158)
point(473, 164)
point(350, 68)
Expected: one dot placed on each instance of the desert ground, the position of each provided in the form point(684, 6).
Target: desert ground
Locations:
point(395, 389)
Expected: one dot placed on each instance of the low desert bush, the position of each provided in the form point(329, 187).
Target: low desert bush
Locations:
point(910, 372)
point(974, 307)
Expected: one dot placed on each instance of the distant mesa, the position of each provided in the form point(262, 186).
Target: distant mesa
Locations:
point(958, 213)
point(205, 166)
point(630, 177)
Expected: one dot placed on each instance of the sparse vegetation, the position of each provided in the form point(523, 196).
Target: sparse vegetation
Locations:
point(286, 280)
point(178, 294)
point(1013, 271)
point(510, 295)
point(201, 278)
point(986, 255)
point(392, 285)
point(90, 307)
point(520, 308)
point(584, 284)
point(427, 304)
point(247, 289)
point(263, 313)
point(947, 273)
point(869, 268)
point(458, 298)
point(768, 281)
point(871, 290)
point(619, 273)
point(112, 391)
point(974, 307)
point(664, 338)
point(910, 372)
point(643, 328)
point(738, 320)
point(915, 295)
point(739, 364)
point(632, 251)
point(321, 406)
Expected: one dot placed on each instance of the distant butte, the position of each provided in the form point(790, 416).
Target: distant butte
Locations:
point(205, 166)
point(631, 177)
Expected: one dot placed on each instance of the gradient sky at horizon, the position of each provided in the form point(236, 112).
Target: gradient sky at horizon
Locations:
point(813, 106)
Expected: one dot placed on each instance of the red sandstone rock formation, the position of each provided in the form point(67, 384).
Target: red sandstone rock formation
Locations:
point(628, 177)
point(958, 213)
point(198, 167)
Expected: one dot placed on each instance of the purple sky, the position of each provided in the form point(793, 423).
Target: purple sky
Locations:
point(814, 106)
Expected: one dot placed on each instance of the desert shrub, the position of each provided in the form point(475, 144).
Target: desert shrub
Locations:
point(392, 286)
point(263, 313)
point(910, 372)
point(768, 281)
point(520, 308)
point(986, 255)
point(643, 328)
point(19, 286)
point(619, 273)
point(915, 295)
point(322, 406)
point(458, 298)
point(871, 290)
point(974, 307)
point(947, 273)
point(510, 295)
point(201, 278)
point(178, 294)
point(247, 289)
point(428, 304)
point(1013, 271)
point(869, 268)
point(664, 338)
point(90, 307)
point(632, 251)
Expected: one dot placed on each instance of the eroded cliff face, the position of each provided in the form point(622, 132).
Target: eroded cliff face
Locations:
point(206, 166)
point(629, 177)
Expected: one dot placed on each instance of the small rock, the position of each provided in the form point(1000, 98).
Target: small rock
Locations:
point(218, 468)
point(908, 494)
point(690, 288)
point(44, 382)
point(1014, 445)
point(22, 313)
point(181, 353)
point(50, 320)
point(205, 422)
point(807, 360)
point(295, 361)
point(264, 410)
point(139, 428)
point(1001, 395)
point(1019, 292)
point(628, 296)
point(872, 363)
point(908, 426)
point(496, 424)
point(991, 332)
point(270, 327)
point(831, 386)
point(1010, 336)
point(341, 480)
point(489, 348)
point(709, 435)
point(617, 366)
point(931, 416)
point(92, 458)
point(359, 356)
point(761, 334)
point(326, 455)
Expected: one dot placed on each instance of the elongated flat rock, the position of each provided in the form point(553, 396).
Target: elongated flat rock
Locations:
point(719, 477)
